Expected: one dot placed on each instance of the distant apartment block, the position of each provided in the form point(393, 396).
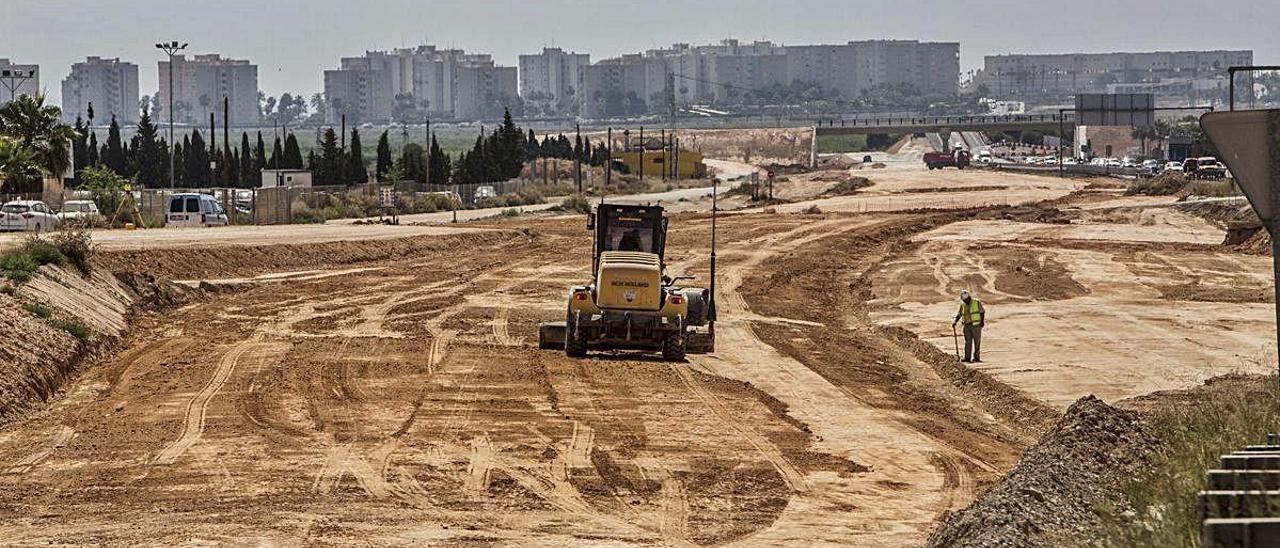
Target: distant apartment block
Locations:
point(201, 83)
point(449, 84)
point(110, 85)
point(361, 90)
point(727, 72)
point(552, 80)
point(22, 86)
point(1166, 73)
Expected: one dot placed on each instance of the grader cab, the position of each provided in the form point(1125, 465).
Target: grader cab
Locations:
point(631, 303)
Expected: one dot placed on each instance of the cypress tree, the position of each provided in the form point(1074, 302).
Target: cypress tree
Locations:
point(113, 154)
point(152, 169)
point(413, 163)
point(199, 173)
point(91, 155)
point(329, 170)
point(437, 163)
point(248, 162)
point(292, 154)
point(356, 172)
point(277, 156)
point(259, 155)
point(384, 156)
point(79, 149)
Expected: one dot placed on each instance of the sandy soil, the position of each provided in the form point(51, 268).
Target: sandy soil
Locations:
point(336, 396)
point(1115, 310)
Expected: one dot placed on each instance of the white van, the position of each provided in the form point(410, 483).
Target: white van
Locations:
point(195, 210)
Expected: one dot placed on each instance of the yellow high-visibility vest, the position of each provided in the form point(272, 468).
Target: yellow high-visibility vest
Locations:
point(972, 316)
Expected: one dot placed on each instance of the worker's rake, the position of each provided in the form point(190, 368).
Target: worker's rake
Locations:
point(956, 337)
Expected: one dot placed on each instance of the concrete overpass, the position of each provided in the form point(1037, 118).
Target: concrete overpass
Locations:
point(936, 124)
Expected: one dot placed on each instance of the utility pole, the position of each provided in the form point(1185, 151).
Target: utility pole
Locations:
point(171, 49)
point(666, 167)
point(641, 153)
point(577, 158)
point(608, 166)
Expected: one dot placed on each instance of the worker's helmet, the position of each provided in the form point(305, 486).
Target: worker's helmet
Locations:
point(964, 294)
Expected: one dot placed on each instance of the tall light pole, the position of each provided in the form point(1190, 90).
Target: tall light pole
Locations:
point(13, 79)
point(171, 49)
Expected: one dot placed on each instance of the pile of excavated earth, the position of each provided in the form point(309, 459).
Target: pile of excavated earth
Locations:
point(382, 385)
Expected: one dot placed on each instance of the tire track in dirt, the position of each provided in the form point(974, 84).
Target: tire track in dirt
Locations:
point(62, 435)
point(197, 409)
point(896, 452)
point(791, 475)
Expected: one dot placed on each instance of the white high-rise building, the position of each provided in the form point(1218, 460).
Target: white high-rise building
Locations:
point(448, 84)
point(731, 71)
point(201, 83)
point(553, 79)
point(25, 84)
point(110, 85)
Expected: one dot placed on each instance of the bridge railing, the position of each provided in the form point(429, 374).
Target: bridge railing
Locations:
point(913, 121)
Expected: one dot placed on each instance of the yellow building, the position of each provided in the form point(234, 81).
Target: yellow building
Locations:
point(691, 166)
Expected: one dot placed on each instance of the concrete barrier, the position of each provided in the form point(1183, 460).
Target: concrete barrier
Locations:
point(1232, 480)
point(1241, 533)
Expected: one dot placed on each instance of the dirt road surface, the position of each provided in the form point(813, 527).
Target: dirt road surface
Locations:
point(402, 400)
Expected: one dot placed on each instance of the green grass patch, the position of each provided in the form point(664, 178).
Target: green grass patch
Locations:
point(1194, 430)
point(76, 329)
point(38, 310)
point(17, 266)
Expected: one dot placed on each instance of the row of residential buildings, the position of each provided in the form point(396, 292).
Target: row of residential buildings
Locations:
point(1165, 73)
point(453, 84)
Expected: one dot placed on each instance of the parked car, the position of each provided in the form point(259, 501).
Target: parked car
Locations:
point(187, 210)
point(1149, 168)
point(27, 215)
point(1205, 167)
point(485, 191)
point(79, 211)
point(1173, 166)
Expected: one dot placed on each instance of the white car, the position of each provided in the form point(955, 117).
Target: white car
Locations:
point(79, 211)
point(27, 215)
point(192, 210)
point(1112, 162)
point(1173, 166)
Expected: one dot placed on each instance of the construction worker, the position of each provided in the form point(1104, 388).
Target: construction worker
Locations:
point(973, 316)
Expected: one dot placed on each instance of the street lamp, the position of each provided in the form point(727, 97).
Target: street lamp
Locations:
point(171, 49)
point(14, 79)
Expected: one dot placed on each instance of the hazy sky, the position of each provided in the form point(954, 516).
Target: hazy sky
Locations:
point(294, 41)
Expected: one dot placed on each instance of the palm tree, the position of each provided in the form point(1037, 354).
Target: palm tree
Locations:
point(39, 128)
point(18, 165)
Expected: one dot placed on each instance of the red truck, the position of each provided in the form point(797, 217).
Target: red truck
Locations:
point(937, 160)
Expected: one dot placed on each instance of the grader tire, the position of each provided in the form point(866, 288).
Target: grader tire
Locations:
point(574, 345)
point(673, 348)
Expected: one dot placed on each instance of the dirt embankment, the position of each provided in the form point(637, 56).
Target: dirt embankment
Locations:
point(1051, 496)
point(59, 320)
point(227, 261)
point(887, 367)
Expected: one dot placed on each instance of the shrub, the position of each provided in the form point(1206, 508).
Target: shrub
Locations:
point(575, 203)
point(813, 210)
point(511, 212)
point(76, 245)
point(18, 266)
point(76, 329)
point(42, 251)
point(849, 186)
point(38, 310)
point(1164, 184)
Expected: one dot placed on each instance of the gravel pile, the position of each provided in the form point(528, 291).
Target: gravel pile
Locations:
point(1049, 498)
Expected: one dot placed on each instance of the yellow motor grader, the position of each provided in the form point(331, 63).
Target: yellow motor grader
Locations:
point(632, 304)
